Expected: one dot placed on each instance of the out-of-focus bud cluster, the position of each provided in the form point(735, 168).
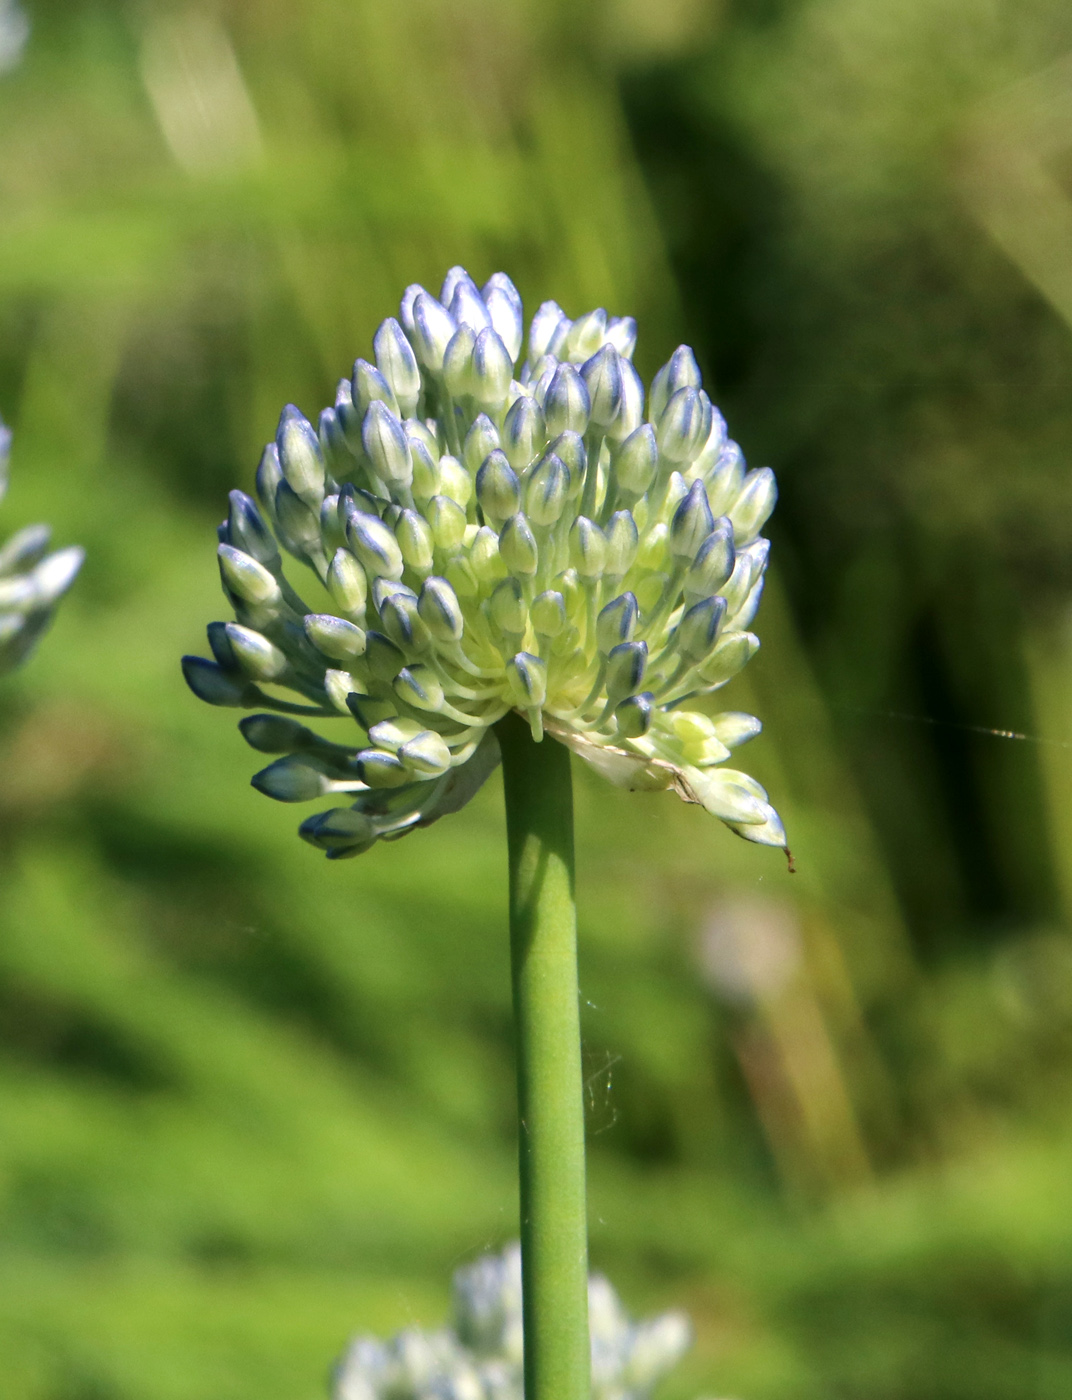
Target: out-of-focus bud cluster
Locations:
point(495, 534)
point(32, 580)
point(480, 1355)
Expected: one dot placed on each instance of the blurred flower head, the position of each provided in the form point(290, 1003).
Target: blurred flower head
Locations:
point(480, 1356)
point(32, 581)
point(487, 536)
point(14, 33)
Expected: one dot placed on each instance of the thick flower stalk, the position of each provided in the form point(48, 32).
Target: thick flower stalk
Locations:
point(479, 1355)
point(491, 535)
point(32, 580)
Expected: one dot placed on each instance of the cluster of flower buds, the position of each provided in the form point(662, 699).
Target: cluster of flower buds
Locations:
point(32, 581)
point(489, 536)
point(480, 1356)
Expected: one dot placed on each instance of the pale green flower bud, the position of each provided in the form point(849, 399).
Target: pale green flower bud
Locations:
point(369, 386)
point(635, 462)
point(298, 523)
point(692, 523)
point(505, 311)
point(517, 546)
point(427, 755)
point(485, 557)
point(633, 717)
point(420, 687)
point(713, 564)
point(459, 374)
point(731, 655)
point(586, 335)
point(617, 622)
point(749, 512)
point(248, 531)
point(680, 372)
point(546, 490)
point(416, 540)
point(602, 375)
point(697, 632)
point(482, 438)
point(524, 432)
point(424, 455)
point(347, 583)
point(447, 522)
point(439, 608)
point(526, 677)
point(433, 327)
point(623, 540)
point(387, 445)
point(507, 607)
point(466, 304)
point(587, 548)
point(454, 480)
point(246, 579)
point(291, 779)
point(498, 490)
point(259, 658)
point(300, 458)
point(398, 365)
point(621, 332)
point(683, 425)
point(343, 828)
point(403, 624)
point(630, 413)
point(548, 613)
point(335, 637)
point(269, 475)
point(566, 403)
point(547, 324)
point(382, 770)
point(626, 664)
point(385, 659)
point(374, 545)
point(492, 368)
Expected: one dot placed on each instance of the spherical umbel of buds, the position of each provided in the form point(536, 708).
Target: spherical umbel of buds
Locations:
point(32, 581)
point(490, 535)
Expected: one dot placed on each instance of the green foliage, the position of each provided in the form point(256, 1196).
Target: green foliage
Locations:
point(249, 1104)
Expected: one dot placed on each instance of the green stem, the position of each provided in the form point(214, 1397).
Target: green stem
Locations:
point(543, 943)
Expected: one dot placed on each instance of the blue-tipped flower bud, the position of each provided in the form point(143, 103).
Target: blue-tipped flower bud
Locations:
point(343, 829)
point(548, 613)
point(369, 386)
point(697, 632)
point(338, 455)
point(692, 523)
point(602, 375)
point(621, 332)
point(248, 531)
point(384, 657)
point(420, 687)
point(426, 755)
point(626, 664)
point(211, 683)
point(259, 658)
point(683, 425)
point(275, 734)
point(623, 540)
point(634, 716)
point(300, 458)
point(713, 564)
point(384, 440)
point(269, 475)
point(439, 608)
point(492, 368)
point(398, 365)
point(566, 403)
point(482, 438)
point(403, 624)
point(547, 325)
point(454, 480)
point(586, 335)
point(347, 583)
point(754, 504)
point(425, 458)
point(335, 637)
point(246, 579)
point(498, 490)
point(680, 372)
point(569, 447)
point(485, 558)
point(617, 622)
point(547, 490)
point(291, 779)
point(587, 548)
point(374, 544)
point(299, 523)
point(458, 373)
point(524, 432)
point(517, 546)
point(382, 770)
point(635, 463)
point(526, 677)
point(415, 540)
point(505, 311)
point(433, 326)
point(467, 305)
point(631, 409)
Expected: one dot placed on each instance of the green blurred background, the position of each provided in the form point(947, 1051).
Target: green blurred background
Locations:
point(251, 1102)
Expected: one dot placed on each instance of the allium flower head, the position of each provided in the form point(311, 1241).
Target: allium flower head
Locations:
point(480, 1356)
point(492, 533)
point(32, 581)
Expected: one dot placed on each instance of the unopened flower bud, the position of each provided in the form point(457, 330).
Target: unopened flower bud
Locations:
point(586, 335)
point(621, 332)
point(347, 582)
point(439, 608)
point(602, 375)
point(485, 557)
point(247, 579)
point(617, 622)
point(415, 540)
point(300, 458)
point(523, 432)
point(497, 488)
point(546, 326)
point(211, 683)
point(454, 480)
point(382, 770)
point(548, 613)
point(248, 531)
point(374, 544)
point(713, 564)
point(517, 546)
point(631, 409)
point(507, 607)
point(623, 539)
point(420, 687)
point(692, 523)
point(680, 372)
point(335, 637)
point(426, 755)
point(635, 462)
point(291, 779)
point(482, 438)
point(634, 716)
point(467, 305)
point(458, 373)
point(433, 327)
point(626, 664)
point(546, 490)
point(566, 403)
point(492, 368)
point(749, 512)
point(269, 475)
point(683, 425)
point(526, 677)
point(505, 311)
point(259, 658)
point(587, 548)
point(369, 386)
point(384, 440)
point(398, 365)
point(696, 633)
point(447, 521)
